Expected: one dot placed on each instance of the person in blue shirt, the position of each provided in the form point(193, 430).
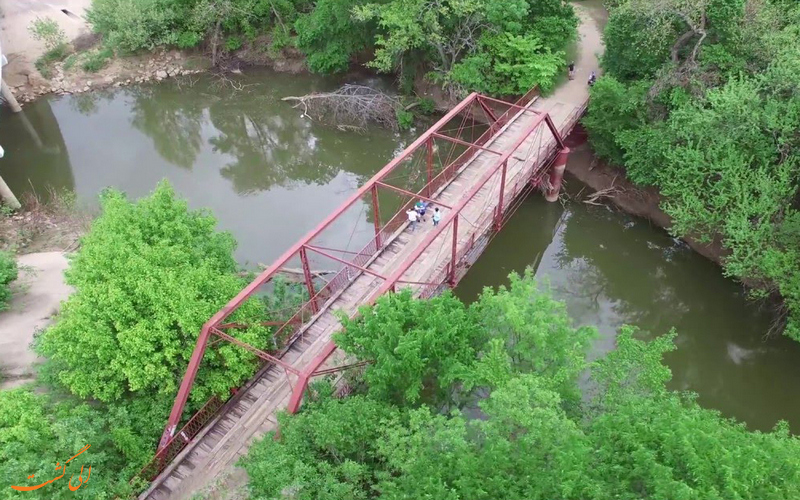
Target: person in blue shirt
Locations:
point(421, 207)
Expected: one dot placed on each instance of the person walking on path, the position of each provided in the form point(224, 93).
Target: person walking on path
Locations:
point(572, 70)
point(412, 219)
point(437, 216)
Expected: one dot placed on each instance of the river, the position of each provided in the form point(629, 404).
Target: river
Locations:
point(269, 174)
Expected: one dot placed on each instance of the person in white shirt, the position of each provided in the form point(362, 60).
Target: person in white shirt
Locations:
point(412, 218)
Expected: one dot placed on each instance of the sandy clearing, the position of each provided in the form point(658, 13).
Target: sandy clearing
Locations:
point(37, 297)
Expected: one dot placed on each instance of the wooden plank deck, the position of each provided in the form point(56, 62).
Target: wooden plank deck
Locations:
point(252, 413)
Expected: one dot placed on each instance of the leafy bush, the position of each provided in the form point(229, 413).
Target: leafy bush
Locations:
point(146, 278)
point(50, 33)
point(233, 43)
point(615, 108)
point(509, 64)
point(47, 31)
point(8, 273)
point(405, 119)
point(423, 344)
point(132, 25)
point(631, 51)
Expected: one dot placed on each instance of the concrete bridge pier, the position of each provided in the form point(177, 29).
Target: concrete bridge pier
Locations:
point(557, 175)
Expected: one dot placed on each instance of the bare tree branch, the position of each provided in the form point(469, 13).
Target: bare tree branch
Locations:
point(351, 106)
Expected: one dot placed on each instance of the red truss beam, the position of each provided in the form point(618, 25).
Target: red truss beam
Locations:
point(205, 333)
point(258, 352)
point(409, 193)
point(350, 264)
point(451, 217)
point(337, 369)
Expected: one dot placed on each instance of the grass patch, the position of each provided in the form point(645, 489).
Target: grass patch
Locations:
point(45, 63)
point(70, 62)
point(97, 60)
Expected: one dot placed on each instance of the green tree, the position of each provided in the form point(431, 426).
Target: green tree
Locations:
point(36, 433)
point(327, 451)
point(631, 438)
point(422, 347)
point(537, 334)
point(146, 278)
point(330, 36)
point(508, 64)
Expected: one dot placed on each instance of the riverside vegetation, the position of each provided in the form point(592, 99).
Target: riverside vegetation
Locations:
point(701, 99)
point(496, 46)
point(483, 403)
point(147, 275)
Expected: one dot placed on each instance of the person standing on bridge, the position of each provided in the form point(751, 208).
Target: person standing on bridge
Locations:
point(412, 218)
point(437, 216)
point(572, 70)
point(421, 207)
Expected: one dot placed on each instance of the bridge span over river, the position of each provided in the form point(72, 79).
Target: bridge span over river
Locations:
point(476, 164)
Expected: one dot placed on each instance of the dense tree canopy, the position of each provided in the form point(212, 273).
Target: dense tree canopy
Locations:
point(146, 278)
point(517, 431)
point(493, 46)
point(701, 100)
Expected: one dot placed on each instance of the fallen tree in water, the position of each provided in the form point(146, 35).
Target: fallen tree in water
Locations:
point(351, 106)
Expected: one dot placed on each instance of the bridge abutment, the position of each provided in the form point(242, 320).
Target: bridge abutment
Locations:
point(557, 175)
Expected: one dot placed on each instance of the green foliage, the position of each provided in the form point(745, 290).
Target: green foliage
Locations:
point(509, 64)
point(44, 64)
point(48, 32)
point(614, 108)
point(328, 451)
point(146, 278)
point(329, 36)
point(711, 122)
point(405, 119)
point(132, 25)
point(423, 346)
point(8, 273)
point(636, 46)
point(629, 438)
point(233, 43)
point(426, 106)
point(537, 333)
point(96, 60)
point(37, 432)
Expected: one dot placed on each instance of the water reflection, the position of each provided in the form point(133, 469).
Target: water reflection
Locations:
point(34, 148)
point(172, 121)
point(611, 269)
point(268, 173)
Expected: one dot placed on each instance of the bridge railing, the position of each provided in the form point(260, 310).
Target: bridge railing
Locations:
point(422, 170)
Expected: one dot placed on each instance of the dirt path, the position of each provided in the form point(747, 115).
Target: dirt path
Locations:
point(37, 296)
point(20, 48)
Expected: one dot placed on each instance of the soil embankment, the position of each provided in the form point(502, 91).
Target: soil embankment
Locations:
point(37, 296)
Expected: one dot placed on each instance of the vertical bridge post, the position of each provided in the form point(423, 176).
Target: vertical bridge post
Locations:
point(376, 216)
point(557, 175)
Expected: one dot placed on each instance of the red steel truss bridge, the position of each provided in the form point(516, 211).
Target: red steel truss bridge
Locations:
point(476, 164)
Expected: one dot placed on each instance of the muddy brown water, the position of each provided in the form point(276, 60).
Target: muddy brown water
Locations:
point(270, 174)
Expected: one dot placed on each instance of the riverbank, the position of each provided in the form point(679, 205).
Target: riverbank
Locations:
point(610, 183)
